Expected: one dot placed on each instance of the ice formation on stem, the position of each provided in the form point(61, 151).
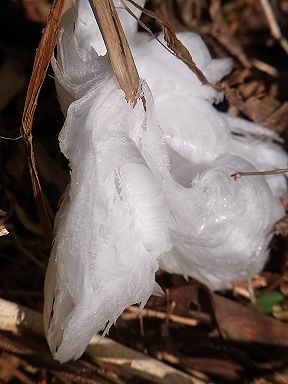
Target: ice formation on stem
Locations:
point(141, 195)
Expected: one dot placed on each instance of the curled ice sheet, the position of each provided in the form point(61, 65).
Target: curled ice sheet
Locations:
point(111, 228)
point(219, 227)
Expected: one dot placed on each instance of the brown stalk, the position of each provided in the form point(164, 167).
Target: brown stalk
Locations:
point(117, 46)
point(41, 63)
point(271, 172)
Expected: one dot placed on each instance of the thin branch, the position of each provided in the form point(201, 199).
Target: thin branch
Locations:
point(273, 25)
point(11, 138)
point(271, 172)
point(134, 312)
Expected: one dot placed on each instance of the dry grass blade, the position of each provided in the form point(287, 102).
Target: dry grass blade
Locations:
point(117, 46)
point(174, 44)
point(42, 59)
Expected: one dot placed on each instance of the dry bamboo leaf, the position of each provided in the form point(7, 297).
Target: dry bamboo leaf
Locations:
point(42, 59)
point(174, 44)
point(117, 47)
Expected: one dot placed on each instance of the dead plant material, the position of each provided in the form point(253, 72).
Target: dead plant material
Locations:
point(42, 60)
point(273, 25)
point(134, 312)
point(118, 48)
point(103, 352)
point(174, 44)
point(278, 120)
point(271, 172)
point(221, 31)
point(240, 323)
point(251, 98)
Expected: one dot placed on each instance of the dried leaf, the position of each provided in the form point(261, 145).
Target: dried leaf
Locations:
point(221, 31)
point(240, 323)
point(42, 59)
point(173, 43)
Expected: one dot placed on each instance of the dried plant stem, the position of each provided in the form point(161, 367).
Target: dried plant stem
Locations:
point(117, 46)
point(133, 312)
point(279, 171)
point(41, 63)
point(273, 25)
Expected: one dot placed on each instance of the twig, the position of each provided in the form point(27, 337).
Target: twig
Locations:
point(11, 138)
point(273, 25)
point(264, 67)
point(101, 350)
point(279, 171)
point(134, 312)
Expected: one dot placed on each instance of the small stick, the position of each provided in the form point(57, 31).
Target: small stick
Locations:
point(134, 312)
point(273, 25)
point(279, 171)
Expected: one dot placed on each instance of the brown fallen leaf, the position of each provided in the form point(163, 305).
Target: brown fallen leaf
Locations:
point(237, 322)
point(258, 109)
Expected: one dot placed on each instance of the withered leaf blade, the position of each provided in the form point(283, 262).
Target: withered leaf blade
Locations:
point(175, 45)
point(41, 62)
